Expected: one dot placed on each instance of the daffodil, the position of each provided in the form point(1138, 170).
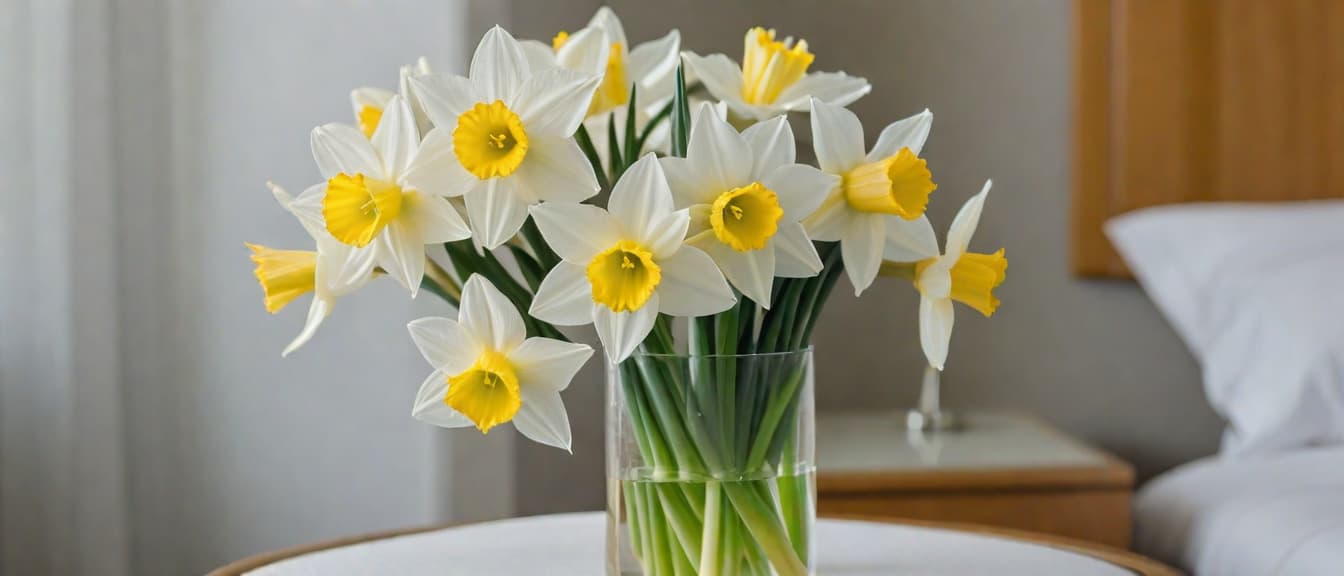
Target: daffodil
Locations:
point(746, 195)
point(876, 210)
point(966, 277)
point(773, 78)
point(369, 102)
point(510, 135)
point(486, 372)
point(622, 268)
point(285, 275)
point(383, 196)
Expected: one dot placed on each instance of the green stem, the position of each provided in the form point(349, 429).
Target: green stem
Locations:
point(710, 533)
point(586, 145)
point(759, 517)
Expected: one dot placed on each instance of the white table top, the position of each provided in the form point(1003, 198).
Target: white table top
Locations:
point(572, 545)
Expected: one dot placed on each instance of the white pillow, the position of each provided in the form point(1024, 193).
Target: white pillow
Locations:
point(1257, 293)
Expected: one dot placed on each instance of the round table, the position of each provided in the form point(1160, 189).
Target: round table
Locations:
point(572, 545)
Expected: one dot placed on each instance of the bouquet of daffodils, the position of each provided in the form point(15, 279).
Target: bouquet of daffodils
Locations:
point(586, 181)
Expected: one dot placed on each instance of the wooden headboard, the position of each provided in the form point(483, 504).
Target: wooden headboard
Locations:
point(1201, 100)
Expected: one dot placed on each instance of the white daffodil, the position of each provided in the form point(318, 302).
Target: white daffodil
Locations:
point(511, 135)
point(622, 268)
point(383, 196)
point(288, 274)
point(965, 277)
point(486, 373)
point(877, 210)
point(773, 78)
point(746, 196)
point(369, 102)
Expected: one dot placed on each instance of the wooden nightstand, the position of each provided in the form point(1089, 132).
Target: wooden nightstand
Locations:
point(1004, 470)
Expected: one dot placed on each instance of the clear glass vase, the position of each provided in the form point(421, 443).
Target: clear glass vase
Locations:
point(710, 465)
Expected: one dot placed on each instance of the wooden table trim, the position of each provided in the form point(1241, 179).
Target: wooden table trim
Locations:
point(1140, 565)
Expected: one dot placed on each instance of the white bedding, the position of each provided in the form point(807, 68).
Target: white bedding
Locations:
point(1280, 514)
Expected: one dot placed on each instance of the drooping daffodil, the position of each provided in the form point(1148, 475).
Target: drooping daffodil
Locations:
point(746, 196)
point(622, 268)
point(876, 211)
point(966, 277)
point(486, 372)
point(285, 275)
point(510, 144)
point(384, 196)
point(369, 102)
point(773, 78)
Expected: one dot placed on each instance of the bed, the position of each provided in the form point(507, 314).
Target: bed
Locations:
point(1281, 514)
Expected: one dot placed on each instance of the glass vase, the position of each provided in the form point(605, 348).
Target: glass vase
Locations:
point(710, 465)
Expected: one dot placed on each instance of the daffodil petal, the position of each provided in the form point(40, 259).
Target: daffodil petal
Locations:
point(577, 232)
point(355, 269)
point(317, 312)
point(445, 98)
point(307, 207)
point(771, 145)
point(935, 329)
point(861, 249)
point(368, 96)
point(556, 171)
point(555, 101)
point(718, 151)
point(401, 254)
point(496, 212)
point(664, 238)
point(693, 285)
point(835, 88)
point(548, 364)
point(430, 406)
point(751, 272)
point(499, 67)
point(586, 50)
point(837, 137)
point(967, 220)
point(720, 75)
point(795, 255)
point(539, 55)
point(641, 197)
point(654, 62)
point(686, 183)
point(435, 169)
point(542, 418)
point(565, 298)
point(340, 148)
point(490, 316)
point(622, 332)
point(397, 139)
point(434, 219)
point(830, 221)
point(444, 343)
point(909, 133)
point(800, 189)
point(909, 240)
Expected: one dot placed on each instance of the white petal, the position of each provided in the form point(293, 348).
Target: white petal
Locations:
point(435, 168)
point(795, 255)
point(935, 281)
point(909, 133)
point(641, 198)
point(909, 240)
point(688, 184)
point(370, 97)
point(605, 19)
point(496, 211)
point(664, 238)
point(862, 249)
point(548, 364)
point(542, 418)
point(555, 101)
point(832, 218)
point(652, 63)
point(339, 148)
point(935, 329)
point(434, 218)
point(585, 51)
point(800, 189)
point(964, 225)
point(396, 139)
point(317, 312)
point(837, 137)
point(751, 272)
point(401, 254)
point(555, 170)
point(444, 343)
point(307, 207)
point(577, 232)
point(356, 268)
point(692, 285)
point(540, 56)
point(489, 316)
point(720, 75)
point(771, 145)
point(445, 98)
point(499, 67)
point(430, 405)
point(622, 332)
point(718, 151)
point(835, 88)
point(565, 298)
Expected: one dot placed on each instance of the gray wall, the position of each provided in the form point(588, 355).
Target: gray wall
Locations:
point(1093, 357)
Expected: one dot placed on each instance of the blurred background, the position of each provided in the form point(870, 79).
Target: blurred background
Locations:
point(147, 422)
